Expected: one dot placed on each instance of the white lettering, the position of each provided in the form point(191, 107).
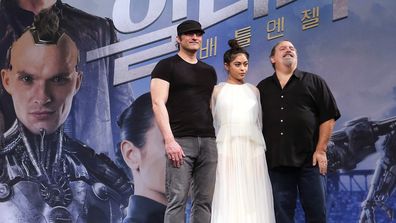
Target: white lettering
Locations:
point(122, 19)
point(340, 9)
point(122, 71)
point(179, 10)
point(208, 16)
point(281, 3)
point(260, 8)
point(137, 65)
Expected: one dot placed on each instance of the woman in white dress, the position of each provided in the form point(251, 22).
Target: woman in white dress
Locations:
point(243, 190)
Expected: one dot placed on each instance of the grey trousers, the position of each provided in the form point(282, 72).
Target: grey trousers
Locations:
point(199, 171)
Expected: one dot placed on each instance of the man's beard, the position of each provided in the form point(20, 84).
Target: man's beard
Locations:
point(288, 61)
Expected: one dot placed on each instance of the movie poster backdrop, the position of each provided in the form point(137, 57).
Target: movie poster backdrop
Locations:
point(350, 43)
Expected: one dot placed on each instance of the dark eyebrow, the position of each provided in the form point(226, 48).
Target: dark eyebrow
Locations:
point(23, 72)
point(64, 74)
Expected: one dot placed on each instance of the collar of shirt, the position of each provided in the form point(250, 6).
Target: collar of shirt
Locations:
point(296, 74)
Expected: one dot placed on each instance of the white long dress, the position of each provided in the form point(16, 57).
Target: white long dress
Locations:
point(243, 191)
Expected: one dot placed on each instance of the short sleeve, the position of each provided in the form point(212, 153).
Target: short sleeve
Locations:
point(162, 70)
point(260, 112)
point(326, 103)
point(214, 75)
point(213, 102)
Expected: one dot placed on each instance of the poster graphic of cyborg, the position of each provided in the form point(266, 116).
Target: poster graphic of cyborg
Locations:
point(346, 41)
point(45, 175)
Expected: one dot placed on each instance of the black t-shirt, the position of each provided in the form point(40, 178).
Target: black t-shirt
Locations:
point(292, 115)
point(190, 90)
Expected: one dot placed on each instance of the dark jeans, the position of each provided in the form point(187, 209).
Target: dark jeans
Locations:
point(288, 182)
point(199, 171)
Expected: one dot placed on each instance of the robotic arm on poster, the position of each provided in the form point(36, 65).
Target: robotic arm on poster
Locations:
point(355, 142)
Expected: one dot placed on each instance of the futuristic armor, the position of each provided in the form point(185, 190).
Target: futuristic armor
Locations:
point(53, 178)
point(383, 182)
point(355, 142)
point(350, 145)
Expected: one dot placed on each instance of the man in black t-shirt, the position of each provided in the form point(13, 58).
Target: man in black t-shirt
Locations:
point(299, 112)
point(181, 89)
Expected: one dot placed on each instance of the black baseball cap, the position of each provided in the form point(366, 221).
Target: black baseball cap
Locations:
point(189, 26)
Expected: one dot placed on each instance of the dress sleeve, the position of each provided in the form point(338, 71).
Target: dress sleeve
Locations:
point(259, 119)
point(260, 111)
point(213, 102)
point(213, 99)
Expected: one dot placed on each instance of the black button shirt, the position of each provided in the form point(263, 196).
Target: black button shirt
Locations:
point(292, 115)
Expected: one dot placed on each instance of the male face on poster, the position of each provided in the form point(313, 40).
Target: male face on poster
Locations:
point(47, 175)
point(42, 81)
point(95, 108)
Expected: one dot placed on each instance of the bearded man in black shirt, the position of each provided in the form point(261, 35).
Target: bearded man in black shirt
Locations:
point(299, 113)
point(181, 88)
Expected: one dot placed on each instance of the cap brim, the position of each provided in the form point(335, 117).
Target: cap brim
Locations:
point(192, 30)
